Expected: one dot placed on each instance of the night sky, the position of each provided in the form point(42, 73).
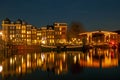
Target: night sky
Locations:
point(94, 14)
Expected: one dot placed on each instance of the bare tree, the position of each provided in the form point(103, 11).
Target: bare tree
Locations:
point(74, 29)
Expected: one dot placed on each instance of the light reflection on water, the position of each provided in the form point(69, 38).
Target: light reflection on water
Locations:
point(69, 62)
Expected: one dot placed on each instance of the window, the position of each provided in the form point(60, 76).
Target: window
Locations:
point(11, 32)
point(33, 32)
point(60, 28)
point(23, 27)
point(57, 29)
point(63, 24)
point(23, 36)
point(60, 33)
point(63, 32)
point(63, 29)
point(11, 36)
point(28, 32)
point(28, 28)
point(38, 38)
point(52, 36)
point(29, 40)
point(18, 31)
point(11, 27)
point(38, 34)
point(23, 31)
point(28, 35)
point(14, 27)
point(17, 27)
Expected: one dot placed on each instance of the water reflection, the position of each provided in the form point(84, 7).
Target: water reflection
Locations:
point(58, 63)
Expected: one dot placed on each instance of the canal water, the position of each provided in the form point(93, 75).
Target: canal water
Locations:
point(74, 65)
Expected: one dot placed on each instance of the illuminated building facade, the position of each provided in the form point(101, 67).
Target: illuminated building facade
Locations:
point(98, 38)
point(18, 33)
point(0, 34)
point(60, 32)
point(21, 33)
point(38, 35)
point(43, 35)
point(118, 31)
point(50, 35)
point(12, 31)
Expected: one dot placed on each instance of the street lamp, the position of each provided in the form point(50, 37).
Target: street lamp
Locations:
point(0, 33)
point(43, 41)
point(1, 68)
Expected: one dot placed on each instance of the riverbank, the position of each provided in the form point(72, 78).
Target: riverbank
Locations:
point(64, 48)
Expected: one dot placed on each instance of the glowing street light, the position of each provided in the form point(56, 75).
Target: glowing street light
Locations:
point(43, 40)
point(112, 42)
point(1, 33)
point(1, 68)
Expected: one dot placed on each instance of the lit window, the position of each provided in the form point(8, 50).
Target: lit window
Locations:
point(28, 32)
point(50, 41)
point(10, 36)
point(28, 35)
point(33, 32)
point(60, 29)
point(11, 27)
point(38, 38)
point(60, 33)
point(23, 31)
point(22, 35)
point(1, 68)
point(23, 27)
point(28, 40)
point(17, 27)
point(39, 34)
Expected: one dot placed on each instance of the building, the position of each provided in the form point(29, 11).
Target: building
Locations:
point(38, 35)
point(22, 33)
point(12, 31)
point(18, 32)
point(60, 32)
point(43, 35)
point(118, 32)
point(50, 35)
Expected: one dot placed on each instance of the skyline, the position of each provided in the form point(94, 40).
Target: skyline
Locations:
point(94, 15)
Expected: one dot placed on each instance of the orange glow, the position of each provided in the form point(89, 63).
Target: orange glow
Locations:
point(75, 59)
point(112, 42)
point(22, 59)
point(0, 33)
point(1, 68)
point(11, 61)
point(19, 69)
point(23, 67)
point(60, 65)
point(64, 57)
